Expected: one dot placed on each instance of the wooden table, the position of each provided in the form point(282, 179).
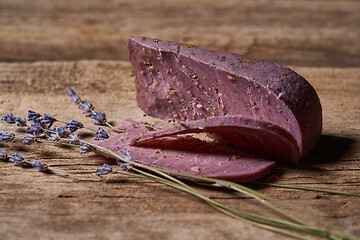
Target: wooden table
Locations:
point(46, 46)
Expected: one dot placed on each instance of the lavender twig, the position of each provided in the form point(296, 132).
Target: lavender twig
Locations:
point(88, 109)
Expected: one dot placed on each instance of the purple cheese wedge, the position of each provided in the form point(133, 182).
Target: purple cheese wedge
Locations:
point(245, 135)
point(187, 83)
point(187, 154)
point(256, 112)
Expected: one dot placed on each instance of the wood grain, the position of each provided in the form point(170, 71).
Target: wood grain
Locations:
point(47, 46)
point(305, 32)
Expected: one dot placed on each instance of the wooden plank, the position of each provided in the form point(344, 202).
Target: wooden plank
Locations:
point(36, 205)
point(304, 32)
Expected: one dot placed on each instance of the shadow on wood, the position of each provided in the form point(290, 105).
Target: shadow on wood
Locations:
point(328, 149)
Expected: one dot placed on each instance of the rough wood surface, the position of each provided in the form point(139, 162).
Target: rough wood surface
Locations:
point(305, 32)
point(46, 46)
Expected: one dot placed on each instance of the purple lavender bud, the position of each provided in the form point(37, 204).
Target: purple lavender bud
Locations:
point(127, 156)
point(99, 117)
point(124, 166)
point(101, 134)
point(20, 122)
point(61, 132)
point(29, 139)
point(48, 119)
point(6, 136)
point(74, 139)
point(32, 116)
point(36, 127)
point(16, 158)
point(73, 96)
point(87, 107)
point(85, 148)
point(3, 155)
point(74, 125)
point(9, 118)
point(70, 92)
point(54, 137)
point(105, 169)
point(39, 166)
point(44, 134)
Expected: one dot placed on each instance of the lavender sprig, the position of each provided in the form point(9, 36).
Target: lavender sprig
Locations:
point(6, 136)
point(61, 131)
point(36, 127)
point(40, 125)
point(48, 119)
point(99, 117)
point(74, 125)
point(29, 139)
point(73, 96)
point(88, 109)
point(54, 137)
point(20, 122)
point(40, 166)
point(20, 160)
point(101, 134)
point(33, 116)
point(9, 118)
point(85, 148)
point(17, 158)
point(74, 139)
point(57, 134)
point(105, 169)
point(127, 156)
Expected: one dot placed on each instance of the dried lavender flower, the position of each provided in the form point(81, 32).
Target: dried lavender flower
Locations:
point(21, 122)
point(16, 158)
point(9, 118)
point(99, 117)
point(85, 148)
point(6, 136)
point(127, 156)
point(54, 137)
point(87, 107)
point(101, 134)
point(29, 139)
point(3, 155)
point(61, 132)
point(73, 96)
point(48, 119)
point(42, 167)
point(74, 125)
point(32, 115)
point(74, 139)
point(70, 92)
point(36, 127)
point(105, 169)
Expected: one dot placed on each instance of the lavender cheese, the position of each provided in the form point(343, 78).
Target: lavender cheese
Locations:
point(256, 112)
point(187, 83)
